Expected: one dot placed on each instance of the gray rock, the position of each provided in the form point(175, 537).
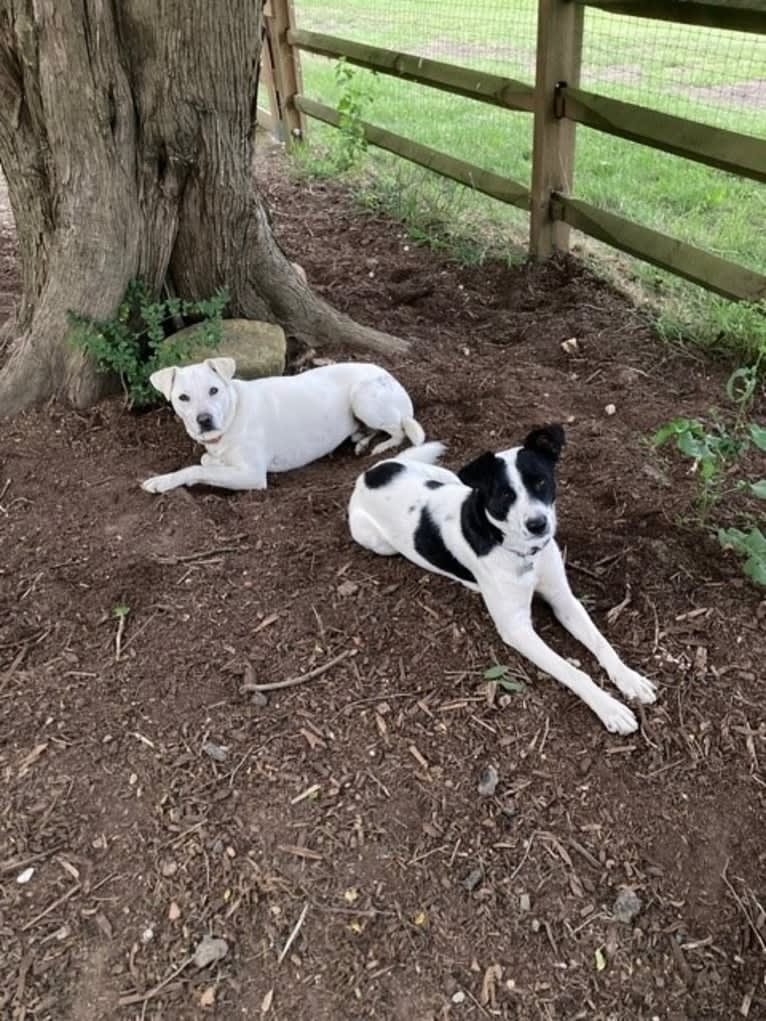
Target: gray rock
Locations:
point(626, 906)
point(258, 348)
point(473, 879)
point(214, 751)
point(488, 782)
point(209, 950)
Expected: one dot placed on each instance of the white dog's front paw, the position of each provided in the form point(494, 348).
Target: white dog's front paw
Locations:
point(159, 484)
point(634, 686)
point(615, 716)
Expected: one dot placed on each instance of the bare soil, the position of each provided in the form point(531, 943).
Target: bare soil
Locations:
point(158, 801)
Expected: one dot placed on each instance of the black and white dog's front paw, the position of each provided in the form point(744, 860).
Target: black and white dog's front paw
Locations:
point(633, 685)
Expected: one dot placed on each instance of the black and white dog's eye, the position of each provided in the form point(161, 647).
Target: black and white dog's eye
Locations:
point(183, 397)
point(213, 391)
point(539, 486)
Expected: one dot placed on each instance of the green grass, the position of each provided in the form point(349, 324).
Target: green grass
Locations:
point(640, 61)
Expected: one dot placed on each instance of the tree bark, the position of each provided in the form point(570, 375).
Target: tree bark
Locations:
point(127, 131)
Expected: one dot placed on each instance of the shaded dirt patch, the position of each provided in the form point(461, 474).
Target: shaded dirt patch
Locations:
point(356, 794)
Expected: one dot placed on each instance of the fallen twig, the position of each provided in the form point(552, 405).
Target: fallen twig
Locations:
point(18, 660)
point(21, 863)
point(292, 681)
point(293, 934)
point(52, 907)
point(524, 857)
point(214, 551)
point(130, 998)
point(742, 907)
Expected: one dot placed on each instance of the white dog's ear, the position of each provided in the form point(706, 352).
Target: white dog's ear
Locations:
point(162, 380)
point(223, 367)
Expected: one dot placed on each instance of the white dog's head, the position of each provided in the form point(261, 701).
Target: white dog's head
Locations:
point(201, 396)
point(513, 503)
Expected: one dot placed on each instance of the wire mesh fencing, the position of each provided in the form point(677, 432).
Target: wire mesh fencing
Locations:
point(708, 75)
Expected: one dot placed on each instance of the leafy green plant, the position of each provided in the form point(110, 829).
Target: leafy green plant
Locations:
point(120, 614)
point(356, 94)
point(135, 343)
point(501, 675)
point(717, 450)
point(751, 545)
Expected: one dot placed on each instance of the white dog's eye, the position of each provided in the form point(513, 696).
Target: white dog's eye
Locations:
point(213, 391)
point(183, 397)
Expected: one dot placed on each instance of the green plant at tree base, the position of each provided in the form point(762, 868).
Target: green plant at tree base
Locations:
point(716, 450)
point(355, 96)
point(134, 344)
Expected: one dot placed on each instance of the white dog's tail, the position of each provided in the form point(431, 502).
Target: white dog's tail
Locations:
point(428, 453)
point(413, 431)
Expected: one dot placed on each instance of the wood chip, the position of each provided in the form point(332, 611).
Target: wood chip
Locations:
point(418, 757)
point(301, 852)
point(30, 759)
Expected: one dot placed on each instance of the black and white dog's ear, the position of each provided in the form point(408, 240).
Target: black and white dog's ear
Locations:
point(547, 441)
point(480, 473)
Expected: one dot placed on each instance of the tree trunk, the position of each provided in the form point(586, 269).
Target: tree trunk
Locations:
point(127, 130)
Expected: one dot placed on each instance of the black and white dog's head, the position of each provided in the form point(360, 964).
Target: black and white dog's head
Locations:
point(514, 493)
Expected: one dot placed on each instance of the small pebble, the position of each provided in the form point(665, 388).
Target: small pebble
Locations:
point(610, 409)
point(216, 752)
point(510, 809)
point(210, 949)
point(488, 782)
point(458, 997)
point(626, 906)
point(473, 879)
point(25, 876)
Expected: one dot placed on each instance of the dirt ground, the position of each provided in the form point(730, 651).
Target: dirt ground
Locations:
point(156, 801)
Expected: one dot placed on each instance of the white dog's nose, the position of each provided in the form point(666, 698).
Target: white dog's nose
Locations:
point(205, 422)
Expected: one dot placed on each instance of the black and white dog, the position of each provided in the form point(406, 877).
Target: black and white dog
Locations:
point(492, 528)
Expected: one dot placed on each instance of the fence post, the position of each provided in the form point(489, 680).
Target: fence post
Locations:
point(559, 50)
point(285, 80)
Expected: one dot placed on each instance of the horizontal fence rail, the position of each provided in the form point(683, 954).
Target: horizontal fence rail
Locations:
point(735, 15)
point(479, 85)
point(727, 150)
point(503, 188)
point(734, 152)
point(716, 274)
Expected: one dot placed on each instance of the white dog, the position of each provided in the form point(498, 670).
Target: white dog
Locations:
point(253, 427)
point(491, 527)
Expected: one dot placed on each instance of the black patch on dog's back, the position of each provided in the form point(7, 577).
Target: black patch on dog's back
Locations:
point(382, 474)
point(433, 484)
point(480, 534)
point(430, 545)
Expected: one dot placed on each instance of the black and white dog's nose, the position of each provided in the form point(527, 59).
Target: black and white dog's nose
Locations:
point(205, 422)
point(537, 526)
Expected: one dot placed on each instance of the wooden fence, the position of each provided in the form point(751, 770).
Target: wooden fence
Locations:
point(558, 105)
